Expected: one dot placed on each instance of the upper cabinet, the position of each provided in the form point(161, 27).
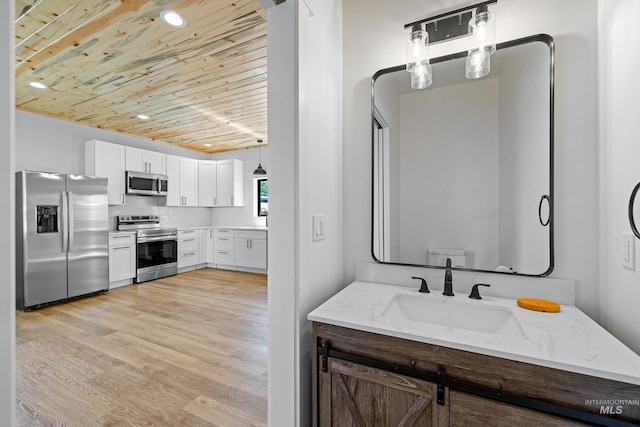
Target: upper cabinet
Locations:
point(221, 183)
point(107, 160)
point(230, 179)
point(183, 181)
point(207, 183)
point(140, 160)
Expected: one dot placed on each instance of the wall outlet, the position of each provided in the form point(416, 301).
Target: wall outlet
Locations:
point(628, 247)
point(318, 227)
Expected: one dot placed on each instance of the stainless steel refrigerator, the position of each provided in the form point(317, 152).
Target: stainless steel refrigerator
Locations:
point(62, 237)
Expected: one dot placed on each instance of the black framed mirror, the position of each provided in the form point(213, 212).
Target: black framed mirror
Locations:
point(464, 169)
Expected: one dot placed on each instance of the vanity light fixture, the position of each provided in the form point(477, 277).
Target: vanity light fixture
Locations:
point(38, 85)
point(259, 170)
point(418, 57)
point(482, 43)
point(173, 18)
point(142, 117)
point(475, 21)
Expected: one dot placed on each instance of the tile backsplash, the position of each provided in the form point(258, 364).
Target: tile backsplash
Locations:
point(170, 216)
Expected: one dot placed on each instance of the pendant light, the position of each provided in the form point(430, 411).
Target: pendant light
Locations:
point(259, 170)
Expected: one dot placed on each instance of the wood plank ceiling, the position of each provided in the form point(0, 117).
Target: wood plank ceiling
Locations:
point(106, 61)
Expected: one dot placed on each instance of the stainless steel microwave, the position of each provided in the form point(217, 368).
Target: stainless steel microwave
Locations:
point(146, 184)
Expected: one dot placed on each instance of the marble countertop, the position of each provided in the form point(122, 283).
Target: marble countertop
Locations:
point(568, 340)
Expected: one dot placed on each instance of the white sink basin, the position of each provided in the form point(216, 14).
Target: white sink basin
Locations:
point(444, 311)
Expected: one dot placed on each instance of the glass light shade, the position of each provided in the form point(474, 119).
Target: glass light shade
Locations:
point(482, 32)
point(421, 77)
point(417, 48)
point(478, 64)
point(418, 58)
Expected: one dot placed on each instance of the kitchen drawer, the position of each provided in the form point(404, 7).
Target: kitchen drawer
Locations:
point(251, 234)
point(224, 232)
point(188, 259)
point(187, 233)
point(224, 257)
point(188, 244)
point(122, 239)
point(223, 243)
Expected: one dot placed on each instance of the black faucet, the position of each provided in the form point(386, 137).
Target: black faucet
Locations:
point(424, 288)
point(448, 280)
point(475, 294)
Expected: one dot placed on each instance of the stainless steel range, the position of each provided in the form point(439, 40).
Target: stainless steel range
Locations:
point(156, 247)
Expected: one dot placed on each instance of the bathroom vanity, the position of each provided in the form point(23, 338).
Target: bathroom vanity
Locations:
point(379, 360)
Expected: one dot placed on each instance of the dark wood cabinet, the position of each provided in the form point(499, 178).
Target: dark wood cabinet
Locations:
point(358, 395)
point(469, 410)
point(366, 379)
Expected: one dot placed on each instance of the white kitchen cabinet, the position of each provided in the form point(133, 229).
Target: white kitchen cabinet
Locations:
point(207, 182)
point(206, 246)
point(210, 246)
point(122, 256)
point(107, 160)
point(223, 247)
point(183, 181)
point(140, 160)
point(188, 248)
point(230, 185)
point(251, 249)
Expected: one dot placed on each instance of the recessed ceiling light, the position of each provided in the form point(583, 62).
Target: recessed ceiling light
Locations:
point(207, 145)
point(38, 85)
point(143, 116)
point(173, 18)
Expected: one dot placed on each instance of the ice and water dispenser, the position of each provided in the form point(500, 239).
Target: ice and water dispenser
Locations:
point(46, 219)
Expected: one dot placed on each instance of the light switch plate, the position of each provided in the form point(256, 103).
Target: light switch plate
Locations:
point(318, 227)
point(628, 247)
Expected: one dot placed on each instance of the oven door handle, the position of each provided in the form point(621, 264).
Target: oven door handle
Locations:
point(157, 239)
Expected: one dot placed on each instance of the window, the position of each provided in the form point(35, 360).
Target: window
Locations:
point(263, 196)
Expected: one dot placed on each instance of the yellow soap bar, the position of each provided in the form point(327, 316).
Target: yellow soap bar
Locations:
point(539, 305)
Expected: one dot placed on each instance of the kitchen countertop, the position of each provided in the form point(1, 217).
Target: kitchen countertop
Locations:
point(247, 227)
point(568, 340)
point(122, 232)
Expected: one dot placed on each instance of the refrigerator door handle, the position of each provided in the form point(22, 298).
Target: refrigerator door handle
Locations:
point(64, 223)
point(70, 219)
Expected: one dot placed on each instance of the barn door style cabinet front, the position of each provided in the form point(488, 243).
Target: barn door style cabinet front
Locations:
point(367, 379)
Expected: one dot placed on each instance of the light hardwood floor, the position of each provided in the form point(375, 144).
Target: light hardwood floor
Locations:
point(187, 350)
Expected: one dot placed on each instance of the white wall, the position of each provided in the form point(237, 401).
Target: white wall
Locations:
point(7, 220)
point(442, 159)
point(47, 144)
point(320, 169)
point(283, 214)
point(305, 135)
point(619, 42)
point(374, 39)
